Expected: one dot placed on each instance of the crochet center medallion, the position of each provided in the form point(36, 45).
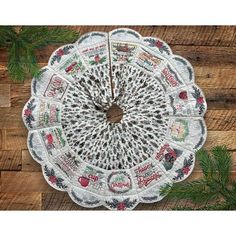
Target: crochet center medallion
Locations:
point(114, 118)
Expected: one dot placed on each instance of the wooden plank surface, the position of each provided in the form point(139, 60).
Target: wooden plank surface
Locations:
point(10, 160)
point(20, 201)
point(5, 95)
point(212, 52)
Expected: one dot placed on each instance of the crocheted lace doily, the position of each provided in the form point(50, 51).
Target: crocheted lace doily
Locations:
point(114, 118)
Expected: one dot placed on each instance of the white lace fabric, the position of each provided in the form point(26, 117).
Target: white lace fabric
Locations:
point(114, 118)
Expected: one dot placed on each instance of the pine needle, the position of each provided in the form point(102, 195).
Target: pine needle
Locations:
point(206, 163)
point(223, 163)
point(7, 35)
point(15, 67)
point(21, 46)
point(216, 184)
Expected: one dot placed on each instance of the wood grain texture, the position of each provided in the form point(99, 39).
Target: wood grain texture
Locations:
point(24, 182)
point(10, 160)
point(19, 94)
point(28, 163)
point(220, 98)
point(212, 52)
point(20, 201)
point(221, 120)
point(227, 138)
point(14, 139)
point(215, 77)
point(11, 118)
point(5, 95)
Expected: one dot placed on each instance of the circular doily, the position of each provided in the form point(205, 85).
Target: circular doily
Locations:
point(114, 118)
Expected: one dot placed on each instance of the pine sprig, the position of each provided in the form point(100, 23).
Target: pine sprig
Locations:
point(215, 186)
point(7, 35)
point(21, 46)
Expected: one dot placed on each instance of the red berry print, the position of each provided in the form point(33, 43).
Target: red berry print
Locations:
point(60, 52)
point(53, 179)
point(186, 170)
point(28, 112)
point(159, 44)
point(200, 100)
point(121, 206)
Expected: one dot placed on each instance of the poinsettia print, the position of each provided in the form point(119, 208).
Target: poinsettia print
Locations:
point(60, 53)
point(185, 168)
point(121, 205)
point(179, 130)
point(170, 158)
point(28, 113)
point(97, 60)
point(48, 140)
point(53, 179)
point(200, 103)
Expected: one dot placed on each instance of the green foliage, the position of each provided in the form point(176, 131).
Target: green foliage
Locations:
point(215, 188)
point(21, 46)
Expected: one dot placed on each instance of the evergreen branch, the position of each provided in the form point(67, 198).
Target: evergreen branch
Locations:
point(196, 191)
point(215, 185)
point(15, 67)
point(223, 163)
point(41, 36)
point(30, 62)
point(7, 35)
point(206, 163)
point(21, 46)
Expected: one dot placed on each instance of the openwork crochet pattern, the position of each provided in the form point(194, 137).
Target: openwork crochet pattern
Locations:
point(114, 118)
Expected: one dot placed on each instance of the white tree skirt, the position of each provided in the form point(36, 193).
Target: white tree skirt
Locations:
point(114, 118)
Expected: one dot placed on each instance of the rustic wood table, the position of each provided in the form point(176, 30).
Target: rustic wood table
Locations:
point(212, 52)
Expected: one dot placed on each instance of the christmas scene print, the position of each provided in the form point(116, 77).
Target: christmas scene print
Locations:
point(68, 164)
point(180, 104)
point(53, 179)
point(29, 118)
point(53, 139)
point(97, 60)
point(158, 44)
point(96, 55)
point(73, 66)
point(185, 169)
point(179, 130)
point(147, 61)
point(119, 182)
point(56, 87)
point(92, 178)
point(121, 205)
point(146, 174)
point(167, 156)
point(60, 53)
point(49, 113)
point(122, 52)
point(200, 103)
